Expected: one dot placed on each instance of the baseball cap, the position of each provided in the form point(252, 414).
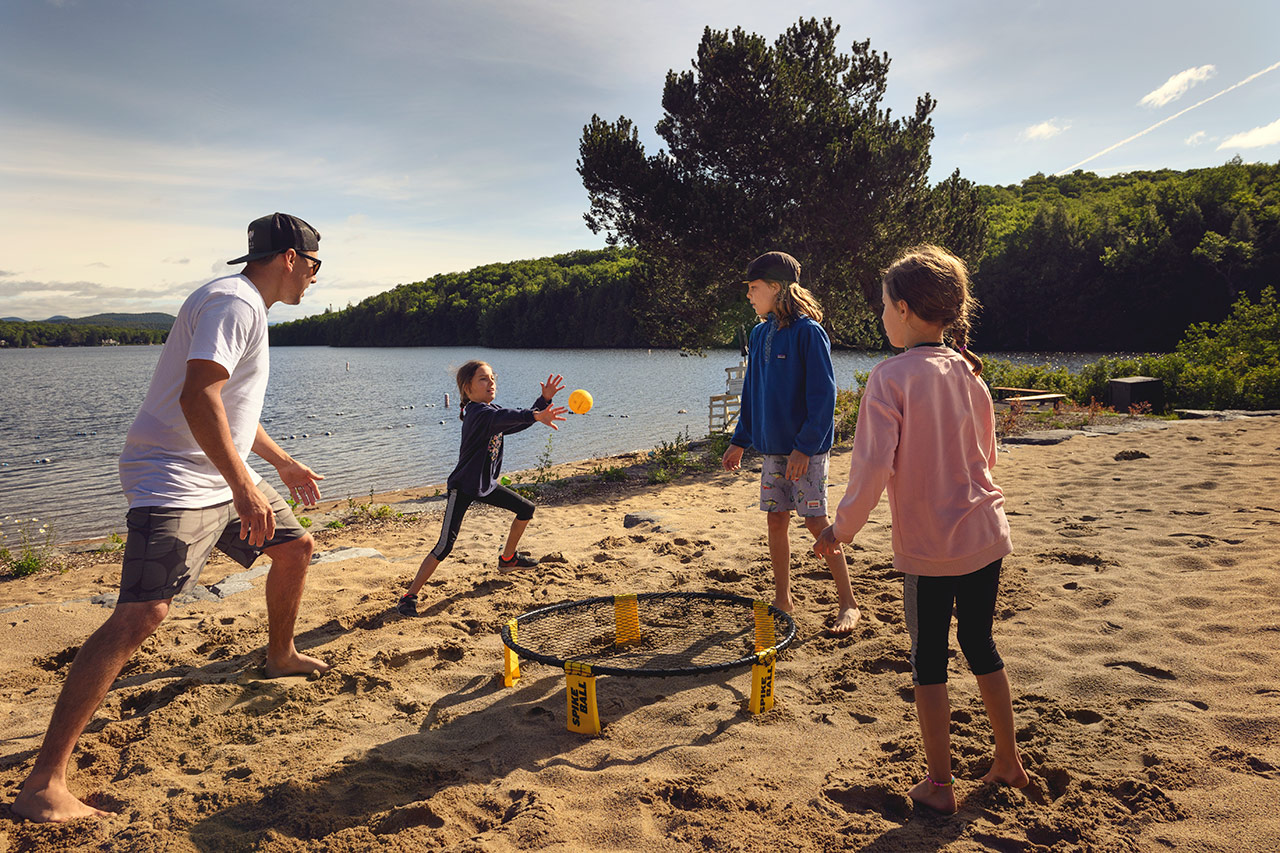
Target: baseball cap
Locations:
point(774, 266)
point(272, 234)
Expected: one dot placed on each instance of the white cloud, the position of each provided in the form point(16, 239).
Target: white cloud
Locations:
point(1177, 85)
point(1256, 138)
point(1044, 130)
point(1196, 138)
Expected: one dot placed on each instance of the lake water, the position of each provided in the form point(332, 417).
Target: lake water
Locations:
point(369, 420)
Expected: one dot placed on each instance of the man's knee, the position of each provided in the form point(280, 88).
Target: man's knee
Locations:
point(138, 619)
point(296, 552)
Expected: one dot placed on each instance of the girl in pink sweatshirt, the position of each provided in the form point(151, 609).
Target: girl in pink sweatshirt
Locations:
point(926, 430)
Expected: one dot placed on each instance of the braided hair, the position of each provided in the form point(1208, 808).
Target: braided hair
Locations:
point(935, 285)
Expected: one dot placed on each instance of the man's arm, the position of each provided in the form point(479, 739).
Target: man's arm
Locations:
point(298, 478)
point(201, 402)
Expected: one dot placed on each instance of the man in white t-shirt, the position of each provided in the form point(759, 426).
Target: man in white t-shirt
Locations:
point(185, 472)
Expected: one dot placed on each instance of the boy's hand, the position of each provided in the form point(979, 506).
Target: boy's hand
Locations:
point(732, 458)
point(826, 545)
point(797, 465)
point(551, 386)
point(550, 415)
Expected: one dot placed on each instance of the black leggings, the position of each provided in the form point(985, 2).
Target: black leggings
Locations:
point(929, 602)
point(456, 508)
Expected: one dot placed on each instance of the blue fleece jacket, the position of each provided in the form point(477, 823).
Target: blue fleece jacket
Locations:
point(789, 394)
point(480, 456)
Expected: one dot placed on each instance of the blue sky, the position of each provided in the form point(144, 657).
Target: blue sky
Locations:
point(139, 137)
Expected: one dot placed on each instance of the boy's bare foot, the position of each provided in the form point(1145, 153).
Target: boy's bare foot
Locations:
point(51, 804)
point(940, 798)
point(786, 605)
point(1008, 773)
point(846, 619)
point(295, 664)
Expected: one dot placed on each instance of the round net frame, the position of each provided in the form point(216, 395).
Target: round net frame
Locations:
point(652, 633)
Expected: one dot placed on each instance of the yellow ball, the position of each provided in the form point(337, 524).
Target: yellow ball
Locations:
point(580, 402)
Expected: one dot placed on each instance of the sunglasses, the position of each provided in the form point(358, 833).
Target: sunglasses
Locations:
point(315, 262)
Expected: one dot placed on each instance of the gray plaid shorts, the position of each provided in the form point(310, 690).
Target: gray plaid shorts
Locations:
point(167, 547)
point(807, 496)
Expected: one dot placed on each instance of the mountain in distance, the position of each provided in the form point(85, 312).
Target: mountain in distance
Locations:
point(12, 320)
point(152, 320)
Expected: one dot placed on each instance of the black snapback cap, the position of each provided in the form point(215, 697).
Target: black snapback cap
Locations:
point(272, 234)
point(774, 266)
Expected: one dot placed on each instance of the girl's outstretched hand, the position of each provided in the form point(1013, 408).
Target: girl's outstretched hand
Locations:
point(551, 386)
point(550, 415)
point(827, 545)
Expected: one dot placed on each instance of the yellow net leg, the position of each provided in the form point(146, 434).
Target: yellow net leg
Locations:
point(580, 692)
point(626, 617)
point(762, 681)
point(510, 660)
point(765, 638)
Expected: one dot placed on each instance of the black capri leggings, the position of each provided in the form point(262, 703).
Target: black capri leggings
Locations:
point(929, 602)
point(456, 508)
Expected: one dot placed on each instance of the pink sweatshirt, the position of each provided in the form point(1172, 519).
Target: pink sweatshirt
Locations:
point(926, 429)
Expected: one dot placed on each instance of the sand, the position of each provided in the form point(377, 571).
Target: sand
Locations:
point(1139, 619)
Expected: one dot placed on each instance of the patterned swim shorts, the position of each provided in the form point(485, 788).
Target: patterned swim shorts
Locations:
point(807, 496)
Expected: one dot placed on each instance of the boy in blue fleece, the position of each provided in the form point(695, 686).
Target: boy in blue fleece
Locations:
point(479, 464)
point(788, 415)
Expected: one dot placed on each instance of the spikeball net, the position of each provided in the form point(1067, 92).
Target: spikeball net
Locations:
point(648, 634)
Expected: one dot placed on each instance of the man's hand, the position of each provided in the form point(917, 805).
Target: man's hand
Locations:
point(301, 482)
point(257, 521)
point(797, 465)
point(732, 458)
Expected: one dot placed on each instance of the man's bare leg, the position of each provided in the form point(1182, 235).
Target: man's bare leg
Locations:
point(780, 557)
point(848, 614)
point(44, 796)
point(285, 581)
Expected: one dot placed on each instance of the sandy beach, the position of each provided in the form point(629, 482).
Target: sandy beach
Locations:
point(1139, 620)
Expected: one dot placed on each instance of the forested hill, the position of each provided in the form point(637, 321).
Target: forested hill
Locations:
point(580, 299)
point(1074, 262)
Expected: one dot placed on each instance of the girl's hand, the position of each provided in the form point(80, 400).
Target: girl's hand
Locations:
point(551, 386)
point(732, 458)
point(550, 415)
point(827, 545)
point(797, 465)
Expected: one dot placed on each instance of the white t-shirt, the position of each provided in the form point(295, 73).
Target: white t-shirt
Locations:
point(162, 465)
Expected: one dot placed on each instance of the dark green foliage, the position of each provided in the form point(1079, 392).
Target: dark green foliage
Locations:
point(153, 320)
point(579, 299)
point(782, 146)
point(1127, 262)
point(1234, 364)
point(74, 334)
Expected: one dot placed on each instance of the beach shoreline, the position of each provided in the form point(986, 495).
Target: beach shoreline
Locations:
point(1138, 619)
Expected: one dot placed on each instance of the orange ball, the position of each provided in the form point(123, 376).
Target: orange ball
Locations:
point(580, 402)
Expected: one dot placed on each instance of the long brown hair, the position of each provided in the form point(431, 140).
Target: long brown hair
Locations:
point(463, 377)
point(935, 285)
point(794, 300)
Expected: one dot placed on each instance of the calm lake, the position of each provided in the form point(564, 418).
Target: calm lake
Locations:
point(369, 420)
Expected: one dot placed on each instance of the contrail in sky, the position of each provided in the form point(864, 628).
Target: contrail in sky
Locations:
point(1162, 121)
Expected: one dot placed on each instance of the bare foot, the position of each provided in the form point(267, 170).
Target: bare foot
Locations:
point(786, 605)
point(53, 803)
point(846, 619)
point(295, 664)
point(1007, 773)
point(941, 799)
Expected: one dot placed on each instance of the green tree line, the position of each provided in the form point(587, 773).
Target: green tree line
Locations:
point(1127, 262)
point(20, 334)
point(1073, 262)
point(579, 299)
